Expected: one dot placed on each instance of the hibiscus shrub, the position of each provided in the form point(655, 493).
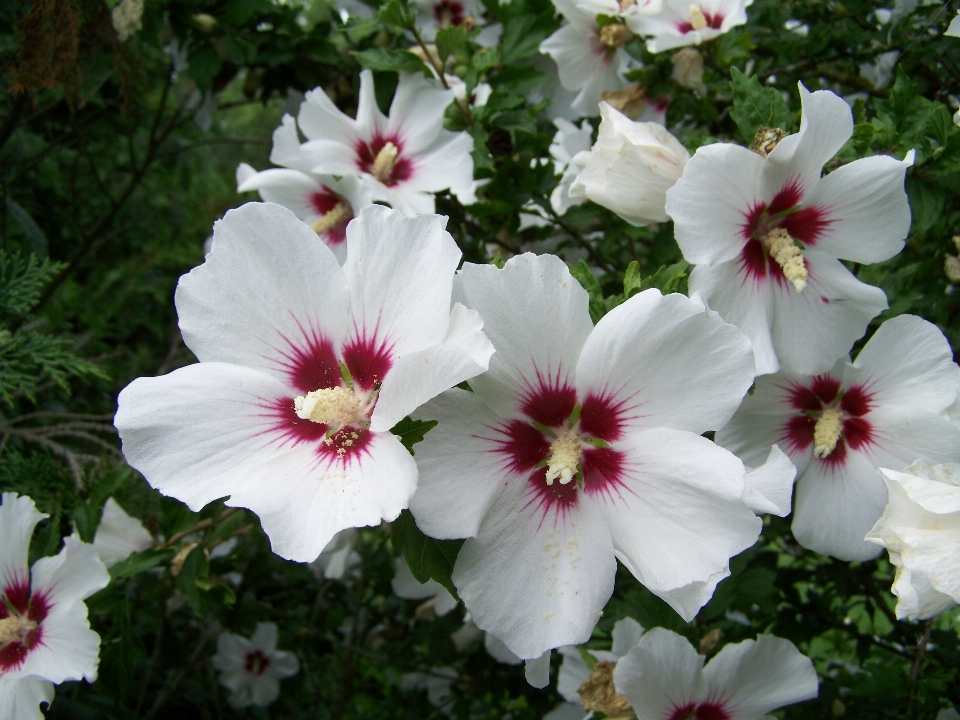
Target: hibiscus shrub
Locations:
point(788, 168)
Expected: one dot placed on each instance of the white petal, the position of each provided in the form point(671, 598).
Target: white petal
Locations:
point(757, 677)
point(244, 173)
point(535, 577)
point(675, 515)
point(269, 291)
point(811, 329)
point(290, 188)
point(460, 466)
point(265, 637)
point(866, 209)
point(230, 655)
point(320, 119)
point(264, 690)
point(369, 118)
point(405, 585)
point(400, 274)
point(665, 362)
point(73, 575)
point(536, 315)
point(119, 535)
point(661, 673)
point(283, 664)
point(419, 376)
point(193, 433)
point(18, 518)
point(446, 163)
point(836, 506)
point(567, 711)
point(770, 486)
point(916, 597)
point(498, 651)
point(626, 633)
point(287, 150)
point(741, 300)
point(537, 672)
point(710, 203)
point(907, 362)
point(825, 125)
point(310, 498)
point(573, 673)
point(20, 697)
point(416, 113)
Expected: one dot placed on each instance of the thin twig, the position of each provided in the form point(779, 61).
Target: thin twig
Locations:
point(918, 660)
point(202, 525)
point(435, 64)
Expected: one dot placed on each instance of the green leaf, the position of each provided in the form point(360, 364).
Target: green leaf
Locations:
point(926, 204)
point(428, 559)
point(598, 306)
point(450, 41)
point(521, 39)
point(47, 541)
point(394, 13)
point(755, 106)
point(36, 240)
point(388, 60)
point(412, 431)
point(632, 283)
point(668, 278)
point(141, 561)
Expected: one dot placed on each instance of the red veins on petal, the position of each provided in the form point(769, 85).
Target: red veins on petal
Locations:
point(806, 224)
point(705, 711)
point(524, 447)
point(12, 655)
point(602, 418)
point(556, 496)
point(788, 197)
point(366, 155)
point(602, 470)
point(856, 402)
point(18, 595)
point(346, 443)
point(255, 662)
point(550, 405)
point(293, 428)
point(798, 432)
point(857, 432)
point(368, 362)
point(311, 366)
point(39, 607)
point(822, 391)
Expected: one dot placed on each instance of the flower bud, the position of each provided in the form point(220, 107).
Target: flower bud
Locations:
point(688, 68)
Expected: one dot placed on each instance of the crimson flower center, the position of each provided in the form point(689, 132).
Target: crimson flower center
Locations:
point(256, 663)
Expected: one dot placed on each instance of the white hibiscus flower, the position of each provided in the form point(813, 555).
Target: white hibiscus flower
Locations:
point(401, 159)
point(568, 142)
point(45, 637)
point(681, 22)
point(839, 427)
point(664, 677)
point(920, 528)
point(767, 235)
point(304, 368)
point(567, 457)
point(252, 669)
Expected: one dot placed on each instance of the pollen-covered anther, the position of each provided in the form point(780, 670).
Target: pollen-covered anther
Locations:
point(15, 629)
point(784, 250)
point(384, 162)
point(565, 454)
point(826, 432)
point(334, 406)
point(337, 215)
point(698, 21)
point(616, 35)
point(624, 4)
point(599, 694)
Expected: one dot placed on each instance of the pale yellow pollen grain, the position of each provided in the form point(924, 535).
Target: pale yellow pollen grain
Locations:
point(697, 19)
point(784, 250)
point(826, 432)
point(616, 35)
point(384, 162)
point(565, 454)
point(337, 215)
point(335, 406)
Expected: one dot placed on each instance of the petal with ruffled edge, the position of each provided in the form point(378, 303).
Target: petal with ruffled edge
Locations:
point(626, 634)
point(314, 495)
point(811, 329)
point(674, 510)
point(917, 599)
point(18, 518)
point(583, 65)
point(416, 113)
point(538, 573)
point(20, 697)
point(661, 674)
point(664, 361)
point(826, 124)
point(908, 362)
point(320, 119)
point(461, 465)
point(755, 677)
point(573, 673)
point(287, 151)
point(741, 299)
point(768, 488)
point(711, 202)
point(270, 295)
point(193, 433)
point(285, 664)
point(865, 213)
point(119, 535)
point(536, 315)
point(420, 376)
point(445, 163)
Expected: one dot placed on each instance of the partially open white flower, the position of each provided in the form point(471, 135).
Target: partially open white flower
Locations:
point(582, 446)
point(45, 637)
point(630, 168)
point(253, 668)
point(920, 528)
point(338, 558)
point(663, 676)
point(304, 368)
point(402, 158)
point(568, 142)
point(118, 536)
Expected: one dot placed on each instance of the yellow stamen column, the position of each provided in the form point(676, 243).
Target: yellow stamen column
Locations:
point(784, 250)
point(384, 162)
point(826, 433)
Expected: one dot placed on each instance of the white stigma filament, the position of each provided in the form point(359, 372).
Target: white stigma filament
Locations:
point(15, 629)
point(826, 432)
point(337, 215)
point(616, 35)
point(334, 406)
point(697, 19)
point(384, 162)
point(784, 250)
point(565, 454)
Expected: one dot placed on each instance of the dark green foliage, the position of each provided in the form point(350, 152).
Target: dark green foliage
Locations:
point(427, 558)
point(755, 106)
